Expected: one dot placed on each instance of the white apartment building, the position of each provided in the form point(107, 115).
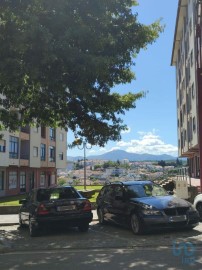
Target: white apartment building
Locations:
point(114, 171)
point(30, 158)
point(185, 58)
point(125, 161)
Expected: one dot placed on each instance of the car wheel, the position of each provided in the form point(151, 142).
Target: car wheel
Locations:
point(83, 227)
point(32, 229)
point(199, 209)
point(136, 224)
point(100, 216)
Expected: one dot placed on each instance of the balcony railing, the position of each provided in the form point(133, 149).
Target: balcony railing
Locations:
point(25, 129)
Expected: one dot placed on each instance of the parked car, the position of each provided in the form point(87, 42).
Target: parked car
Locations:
point(143, 205)
point(198, 204)
point(45, 207)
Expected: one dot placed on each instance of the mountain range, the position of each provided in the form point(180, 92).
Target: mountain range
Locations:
point(121, 154)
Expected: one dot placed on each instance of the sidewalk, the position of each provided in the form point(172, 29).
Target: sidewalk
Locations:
point(12, 219)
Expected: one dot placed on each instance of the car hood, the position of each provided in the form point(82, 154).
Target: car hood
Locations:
point(162, 202)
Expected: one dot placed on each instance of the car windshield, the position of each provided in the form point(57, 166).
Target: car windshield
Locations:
point(56, 194)
point(146, 190)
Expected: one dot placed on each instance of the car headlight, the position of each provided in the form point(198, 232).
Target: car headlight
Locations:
point(191, 208)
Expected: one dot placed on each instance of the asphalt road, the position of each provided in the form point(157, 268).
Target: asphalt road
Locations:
point(103, 247)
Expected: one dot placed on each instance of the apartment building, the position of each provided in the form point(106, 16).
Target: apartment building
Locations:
point(30, 158)
point(186, 56)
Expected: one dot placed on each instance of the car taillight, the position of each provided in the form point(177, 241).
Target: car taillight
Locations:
point(42, 210)
point(87, 206)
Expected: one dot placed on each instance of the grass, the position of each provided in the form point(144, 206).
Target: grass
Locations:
point(11, 200)
point(96, 187)
point(14, 200)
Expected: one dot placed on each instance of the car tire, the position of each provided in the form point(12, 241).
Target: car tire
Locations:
point(199, 209)
point(136, 224)
point(83, 227)
point(33, 232)
point(100, 215)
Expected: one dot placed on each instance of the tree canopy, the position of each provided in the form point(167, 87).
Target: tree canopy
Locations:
point(60, 60)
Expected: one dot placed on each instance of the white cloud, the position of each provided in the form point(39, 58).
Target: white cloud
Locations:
point(100, 149)
point(115, 148)
point(150, 143)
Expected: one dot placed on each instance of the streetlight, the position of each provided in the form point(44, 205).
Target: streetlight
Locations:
point(82, 145)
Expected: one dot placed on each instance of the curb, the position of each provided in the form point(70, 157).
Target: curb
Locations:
point(8, 224)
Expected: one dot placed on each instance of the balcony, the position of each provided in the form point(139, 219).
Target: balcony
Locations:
point(24, 153)
point(24, 159)
point(25, 129)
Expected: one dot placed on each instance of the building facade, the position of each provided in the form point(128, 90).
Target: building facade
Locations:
point(30, 158)
point(185, 57)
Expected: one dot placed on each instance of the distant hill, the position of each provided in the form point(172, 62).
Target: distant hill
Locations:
point(121, 154)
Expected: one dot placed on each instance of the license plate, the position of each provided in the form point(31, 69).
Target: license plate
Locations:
point(66, 208)
point(178, 218)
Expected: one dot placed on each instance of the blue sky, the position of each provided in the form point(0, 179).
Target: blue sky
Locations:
point(152, 125)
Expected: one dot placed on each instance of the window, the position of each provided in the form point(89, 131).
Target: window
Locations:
point(185, 136)
point(52, 134)
point(182, 140)
point(193, 90)
point(42, 179)
point(35, 151)
point(12, 180)
point(190, 26)
point(2, 146)
point(61, 137)
point(1, 180)
point(190, 130)
point(53, 179)
point(43, 132)
point(60, 156)
point(13, 147)
point(22, 182)
point(194, 124)
point(118, 191)
point(43, 152)
point(191, 58)
point(51, 153)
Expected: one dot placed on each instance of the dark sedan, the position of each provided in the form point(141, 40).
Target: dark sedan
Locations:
point(55, 206)
point(143, 205)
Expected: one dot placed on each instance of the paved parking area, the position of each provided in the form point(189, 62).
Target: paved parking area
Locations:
point(13, 238)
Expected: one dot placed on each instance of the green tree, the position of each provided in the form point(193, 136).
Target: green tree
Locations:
point(61, 58)
point(61, 181)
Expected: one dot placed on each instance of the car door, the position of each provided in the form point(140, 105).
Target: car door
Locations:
point(119, 205)
point(105, 201)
